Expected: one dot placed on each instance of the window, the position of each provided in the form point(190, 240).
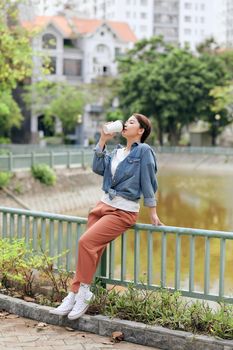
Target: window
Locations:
point(143, 28)
point(72, 67)
point(187, 31)
point(202, 7)
point(52, 65)
point(49, 41)
point(187, 19)
point(106, 70)
point(68, 43)
point(143, 2)
point(102, 48)
point(128, 14)
point(202, 19)
point(117, 51)
point(143, 15)
point(187, 5)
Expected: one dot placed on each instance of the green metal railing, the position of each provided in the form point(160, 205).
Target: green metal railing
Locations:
point(56, 233)
point(78, 156)
point(195, 150)
point(65, 158)
point(28, 148)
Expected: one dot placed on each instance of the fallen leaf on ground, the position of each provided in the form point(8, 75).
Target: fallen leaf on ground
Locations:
point(69, 329)
point(29, 299)
point(17, 295)
point(12, 316)
point(117, 336)
point(41, 325)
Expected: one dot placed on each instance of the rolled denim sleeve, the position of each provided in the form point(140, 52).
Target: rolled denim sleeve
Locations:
point(148, 177)
point(98, 164)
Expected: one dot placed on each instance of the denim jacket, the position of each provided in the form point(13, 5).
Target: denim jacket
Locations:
point(134, 176)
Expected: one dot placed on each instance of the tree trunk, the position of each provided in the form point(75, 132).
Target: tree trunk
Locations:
point(160, 131)
point(174, 134)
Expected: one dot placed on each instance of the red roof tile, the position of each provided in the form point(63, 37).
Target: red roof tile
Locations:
point(81, 26)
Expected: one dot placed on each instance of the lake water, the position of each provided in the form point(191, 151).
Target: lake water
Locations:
point(193, 200)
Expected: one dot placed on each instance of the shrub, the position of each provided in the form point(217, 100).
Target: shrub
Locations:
point(20, 264)
point(4, 140)
point(44, 174)
point(4, 178)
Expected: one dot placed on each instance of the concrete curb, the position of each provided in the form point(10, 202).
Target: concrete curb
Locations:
point(134, 332)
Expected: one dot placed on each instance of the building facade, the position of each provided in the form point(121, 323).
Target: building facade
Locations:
point(137, 13)
point(166, 20)
point(80, 50)
point(179, 21)
point(195, 22)
point(229, 23)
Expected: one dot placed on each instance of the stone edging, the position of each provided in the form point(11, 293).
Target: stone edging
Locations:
point(134, 332)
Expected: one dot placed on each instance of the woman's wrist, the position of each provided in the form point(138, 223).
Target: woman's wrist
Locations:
point(101, 143)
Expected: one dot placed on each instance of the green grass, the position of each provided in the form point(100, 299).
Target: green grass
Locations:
point(165, 309)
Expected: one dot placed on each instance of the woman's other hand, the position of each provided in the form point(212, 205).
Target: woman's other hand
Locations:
point(154, 217)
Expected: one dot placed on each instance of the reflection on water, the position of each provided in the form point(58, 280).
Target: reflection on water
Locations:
point(187, 200)
point(198, 201)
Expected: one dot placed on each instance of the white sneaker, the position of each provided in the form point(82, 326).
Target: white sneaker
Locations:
point(82, 300)
point(66, 305)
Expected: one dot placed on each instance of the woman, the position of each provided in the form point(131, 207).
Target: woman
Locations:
point(127, 173)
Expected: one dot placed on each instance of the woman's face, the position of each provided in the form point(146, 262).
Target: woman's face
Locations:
point(132, 128)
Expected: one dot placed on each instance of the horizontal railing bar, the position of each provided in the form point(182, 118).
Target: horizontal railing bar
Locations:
point(185, 231)
point(45, 215)
point(45, 154)
point(23, 148)
point(147, 227)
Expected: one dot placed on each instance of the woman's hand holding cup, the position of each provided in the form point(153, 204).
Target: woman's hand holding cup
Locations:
point(109, 130)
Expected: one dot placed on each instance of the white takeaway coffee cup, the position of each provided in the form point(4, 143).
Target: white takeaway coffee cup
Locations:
point(110, 128)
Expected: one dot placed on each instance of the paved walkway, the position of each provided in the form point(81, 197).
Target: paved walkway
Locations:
point(17, 333)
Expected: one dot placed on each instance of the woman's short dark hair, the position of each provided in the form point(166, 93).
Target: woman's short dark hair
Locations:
point(145, 124)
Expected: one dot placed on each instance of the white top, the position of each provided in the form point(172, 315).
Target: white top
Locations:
point(118, 201)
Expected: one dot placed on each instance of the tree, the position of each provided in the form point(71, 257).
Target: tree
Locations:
point(10, 114)
point(15, 63)
point(216, 75)
point(222, 107)
point(168, 84)
point(56, 99)
point(227, 57)
point(209, 45)
point(15, 47)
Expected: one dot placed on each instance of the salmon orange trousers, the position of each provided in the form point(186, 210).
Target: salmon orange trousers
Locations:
point(105, 223)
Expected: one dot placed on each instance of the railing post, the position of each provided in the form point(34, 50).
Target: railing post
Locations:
point(10, 162)
point(83, 159)
point(103, 268)
point(68, 159)
point(51, 159)
point(33, 158)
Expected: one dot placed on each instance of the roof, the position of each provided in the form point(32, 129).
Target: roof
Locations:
point(80, 26)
